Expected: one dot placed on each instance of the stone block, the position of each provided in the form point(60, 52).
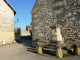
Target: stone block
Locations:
point(59, 51)
point(54, 38)
point(78, 50)
point(39, 49)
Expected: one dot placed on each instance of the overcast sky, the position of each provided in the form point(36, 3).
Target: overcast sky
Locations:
point(23, 9)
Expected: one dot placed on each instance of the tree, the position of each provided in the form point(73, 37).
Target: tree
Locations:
point(17, 21)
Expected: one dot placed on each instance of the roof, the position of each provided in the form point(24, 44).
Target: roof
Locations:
point(10, 6)
point(29, 26)
point(78, 1)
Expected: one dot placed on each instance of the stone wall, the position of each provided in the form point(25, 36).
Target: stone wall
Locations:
point(6, 23)
point(50, 12)
point(23, 32)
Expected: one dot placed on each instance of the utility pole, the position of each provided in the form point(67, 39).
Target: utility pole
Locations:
point(14, 26)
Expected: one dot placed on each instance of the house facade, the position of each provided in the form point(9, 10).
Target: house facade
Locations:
point(47, 13)
point(6, 22)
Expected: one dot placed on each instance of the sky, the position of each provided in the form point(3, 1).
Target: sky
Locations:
point(23, 9)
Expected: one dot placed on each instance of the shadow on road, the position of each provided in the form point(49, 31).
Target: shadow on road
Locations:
point(27, 43)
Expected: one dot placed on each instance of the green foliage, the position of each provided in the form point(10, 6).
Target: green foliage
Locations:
point(67, 43)
point(57, 57)
point(67, 53)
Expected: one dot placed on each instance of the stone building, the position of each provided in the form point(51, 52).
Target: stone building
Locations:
point(6, 22)
point(29, 27)
point(47, 13)
point(22, 32)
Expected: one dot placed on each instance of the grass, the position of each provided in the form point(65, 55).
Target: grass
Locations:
point(67, 44)
point(57, 57)
point(68, 55)
point(8, 43)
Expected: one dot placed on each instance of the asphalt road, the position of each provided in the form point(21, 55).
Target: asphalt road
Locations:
point(22, 52)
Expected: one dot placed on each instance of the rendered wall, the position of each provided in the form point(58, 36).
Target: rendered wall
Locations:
point(6, 23)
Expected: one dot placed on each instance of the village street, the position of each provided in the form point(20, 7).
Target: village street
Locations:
point(22, 52)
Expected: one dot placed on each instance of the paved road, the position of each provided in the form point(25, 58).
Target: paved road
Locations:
point(22, 52)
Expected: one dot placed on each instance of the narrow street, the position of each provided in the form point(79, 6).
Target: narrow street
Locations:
point(22, 51)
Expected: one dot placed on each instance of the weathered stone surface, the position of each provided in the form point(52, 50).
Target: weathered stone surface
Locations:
point(56, 34)
point(59, 51)
point(50, 12)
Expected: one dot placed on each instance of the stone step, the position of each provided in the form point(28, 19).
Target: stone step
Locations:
point(54, 50)
point(54, 41)
point(53, 44)
point(49, 49)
